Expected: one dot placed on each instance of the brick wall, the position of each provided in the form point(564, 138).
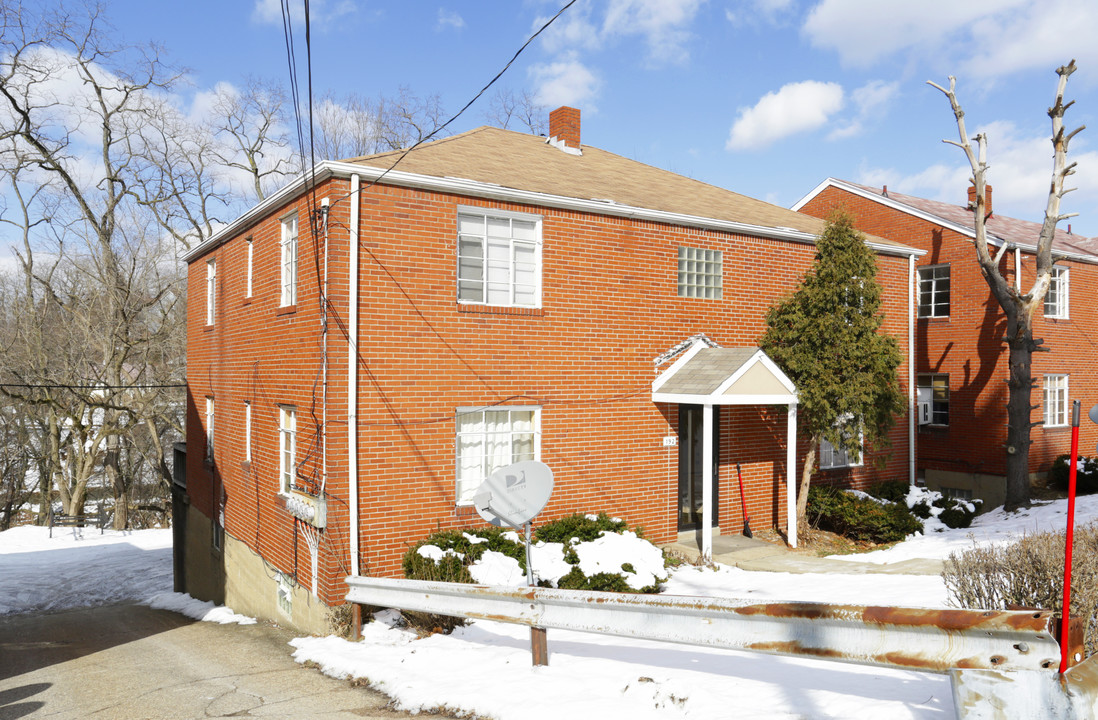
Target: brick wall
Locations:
point(609, 306)
point(968, 344)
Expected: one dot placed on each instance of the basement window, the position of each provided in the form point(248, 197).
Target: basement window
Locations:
point(285, 594)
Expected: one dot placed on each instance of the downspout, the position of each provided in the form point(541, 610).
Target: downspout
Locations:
point(1017, 269)
point(911, 391)
point(352, 378)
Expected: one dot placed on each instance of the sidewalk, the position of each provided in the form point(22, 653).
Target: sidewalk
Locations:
point(750, 554)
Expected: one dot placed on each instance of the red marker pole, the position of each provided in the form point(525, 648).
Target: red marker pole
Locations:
point(1066, 610)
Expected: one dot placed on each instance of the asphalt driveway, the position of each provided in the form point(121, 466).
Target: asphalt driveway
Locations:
point(132, 662)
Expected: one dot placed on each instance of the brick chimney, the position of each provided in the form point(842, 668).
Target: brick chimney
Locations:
point(564, 124)
point(972, 199)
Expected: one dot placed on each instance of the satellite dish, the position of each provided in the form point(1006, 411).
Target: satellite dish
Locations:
point(515, 494)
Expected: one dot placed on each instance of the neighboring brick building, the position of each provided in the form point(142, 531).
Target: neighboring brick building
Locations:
point(504, 297)
point(961, 358)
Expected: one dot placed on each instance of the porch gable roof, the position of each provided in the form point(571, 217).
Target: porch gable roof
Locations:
point(724, 376)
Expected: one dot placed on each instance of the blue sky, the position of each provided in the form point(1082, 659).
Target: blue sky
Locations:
point(764, 97)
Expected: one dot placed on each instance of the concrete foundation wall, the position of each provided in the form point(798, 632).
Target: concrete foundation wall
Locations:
point(989, 488)
point(251, 588)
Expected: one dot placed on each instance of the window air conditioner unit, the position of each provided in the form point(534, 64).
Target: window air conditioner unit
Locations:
point(924, 412)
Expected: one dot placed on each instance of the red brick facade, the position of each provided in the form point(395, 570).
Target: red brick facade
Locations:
point(967, 345)
point(609, 306)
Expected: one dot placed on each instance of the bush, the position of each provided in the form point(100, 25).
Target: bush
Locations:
point(455, 551)
point(859, 518)
point(1029, 573)
point(890, 490)
point(950, 511)
point(581, 528)
point(1086, 474)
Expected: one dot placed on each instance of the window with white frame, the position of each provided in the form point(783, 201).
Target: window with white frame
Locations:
point(287, 447)
point(499, 258)
point(836, 457)
point(700, 273)
point(934, 291)
point(247, 431)
point(209, 429)
point(211, 290)
point(288, 252)
point(250, 258)
point(1056, 299)
point(491, 438)
point(1056, 400)
point(934, 387)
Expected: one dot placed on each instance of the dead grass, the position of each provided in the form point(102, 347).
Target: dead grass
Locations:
point(819, 543)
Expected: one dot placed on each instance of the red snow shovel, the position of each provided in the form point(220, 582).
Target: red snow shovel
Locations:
point(743, 504)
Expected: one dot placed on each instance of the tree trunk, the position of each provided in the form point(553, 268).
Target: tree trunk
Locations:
point(1019, 413)
point(802, 491)
point(118, 483)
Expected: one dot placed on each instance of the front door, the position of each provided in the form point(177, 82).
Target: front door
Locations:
point(690, 465)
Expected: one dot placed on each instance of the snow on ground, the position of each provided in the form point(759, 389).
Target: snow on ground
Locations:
point(79, 567)
point(993, 527)
point(485, 668)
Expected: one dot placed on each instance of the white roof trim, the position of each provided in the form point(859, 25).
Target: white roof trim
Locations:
point(695, 348)
point(931, 217)
point(725, 399)
point(758, 358)
point(330, 168)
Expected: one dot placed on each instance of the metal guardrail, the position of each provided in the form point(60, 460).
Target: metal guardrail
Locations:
point(911, 638)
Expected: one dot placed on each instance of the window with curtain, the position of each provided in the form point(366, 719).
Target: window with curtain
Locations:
point(491, 438)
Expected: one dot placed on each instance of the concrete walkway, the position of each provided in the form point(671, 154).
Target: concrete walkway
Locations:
point(751, 554)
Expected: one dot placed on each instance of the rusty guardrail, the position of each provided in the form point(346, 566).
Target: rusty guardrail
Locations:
point(1002, 664)
point(924, 639)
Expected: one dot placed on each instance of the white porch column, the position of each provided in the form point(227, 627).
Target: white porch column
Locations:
point(791, 474)
point(707, 482)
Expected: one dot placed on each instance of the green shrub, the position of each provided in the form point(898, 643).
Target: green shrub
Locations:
point(1086, 474)
point(890, 490)
point(581, 528)
point(1029, 573)
point(859, 518)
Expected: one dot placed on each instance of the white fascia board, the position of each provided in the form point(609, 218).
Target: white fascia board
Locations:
point(475, 188)
point(724, 399)
point(295, 187)
point(759, 357)
point(697, 346)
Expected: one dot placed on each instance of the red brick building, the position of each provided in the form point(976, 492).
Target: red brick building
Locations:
point(961, 359)
point(412, 321)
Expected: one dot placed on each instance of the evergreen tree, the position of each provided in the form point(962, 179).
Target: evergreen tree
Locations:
point(827, 337)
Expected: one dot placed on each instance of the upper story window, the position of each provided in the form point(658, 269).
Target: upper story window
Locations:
point(701, 273)
point(287, 447)
point(288, 248)
point(934, 291)
point(934, 389)
point(209, 429)
point(1056, 299)
point(491, 438)
point(499, 258)
point(211, 290)
point(250, 257)
point(1056, 400)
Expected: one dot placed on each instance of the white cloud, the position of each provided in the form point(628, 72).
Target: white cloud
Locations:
point(567, 82)
point(663, 24)
point(770, 12)
point(795, 108)
point(448, 19)
point(1020, 168)
point(981, 39)
point(871, 101)
point(572, 31)
point(324, 12)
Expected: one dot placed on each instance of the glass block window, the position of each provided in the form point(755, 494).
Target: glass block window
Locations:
point(701, 273)
point(491, 438)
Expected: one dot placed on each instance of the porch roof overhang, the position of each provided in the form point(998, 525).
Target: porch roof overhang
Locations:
point(724, 376)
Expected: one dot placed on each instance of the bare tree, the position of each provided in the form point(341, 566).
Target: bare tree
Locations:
point(252, 123)
point(507, 109)
point(357, 126)
point(1019, 307)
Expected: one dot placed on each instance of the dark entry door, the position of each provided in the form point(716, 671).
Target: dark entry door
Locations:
point(690, 465)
